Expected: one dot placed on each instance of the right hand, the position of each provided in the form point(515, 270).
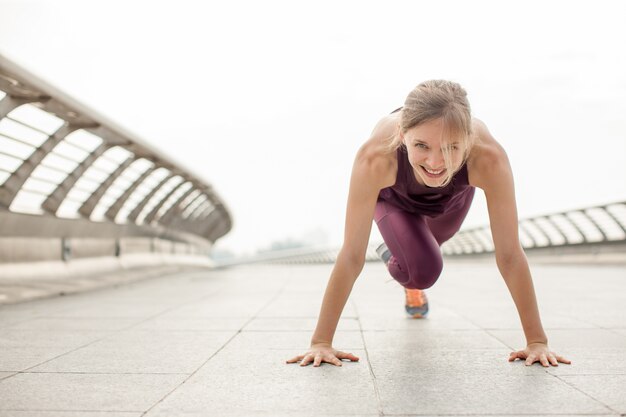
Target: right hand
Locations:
point(323, 352)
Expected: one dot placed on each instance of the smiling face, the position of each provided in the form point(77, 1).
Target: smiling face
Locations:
point(428, 146)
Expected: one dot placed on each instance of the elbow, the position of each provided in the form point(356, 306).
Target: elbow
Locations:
point(351, 261)
point(510, 259)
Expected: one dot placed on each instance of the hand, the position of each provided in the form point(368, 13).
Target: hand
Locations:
point(538, 352)
point(322, 352)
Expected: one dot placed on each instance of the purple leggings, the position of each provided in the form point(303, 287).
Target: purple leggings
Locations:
point(414, 241)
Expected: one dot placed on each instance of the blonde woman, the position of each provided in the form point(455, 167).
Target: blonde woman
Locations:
point(415, 177)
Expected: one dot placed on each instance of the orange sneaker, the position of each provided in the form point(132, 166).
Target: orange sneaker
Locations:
point(416, 304)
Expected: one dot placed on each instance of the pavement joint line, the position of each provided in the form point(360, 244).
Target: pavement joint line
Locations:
point(115, 285)
point(103, 281)
point(70, 411)
point(582, 392)
point(499, 340)
point(65, 353)
point(381, 411)
point(8, 376)
point(113, 332)
point(103, 373)
point(280, 291)
point(612, 330)
point(499, 414)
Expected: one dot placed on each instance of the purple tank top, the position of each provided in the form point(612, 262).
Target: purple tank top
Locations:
point(411, 196)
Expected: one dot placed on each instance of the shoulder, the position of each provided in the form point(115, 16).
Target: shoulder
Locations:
point(374, 159)
point(488, 159)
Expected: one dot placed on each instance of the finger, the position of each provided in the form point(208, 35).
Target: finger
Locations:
point(563, 360)
point(344, 355)
point(553, 360)
point(530, 360)
point(295, 359)
point(515, 355)
point(318, 360)
point(544, 360)
point(335, 361)
point(306, 360)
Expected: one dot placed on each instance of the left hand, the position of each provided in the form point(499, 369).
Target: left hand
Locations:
point(538, 352)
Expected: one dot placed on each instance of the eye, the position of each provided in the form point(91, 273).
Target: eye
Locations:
point(421, 145)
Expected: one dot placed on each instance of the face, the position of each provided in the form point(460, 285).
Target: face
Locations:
point(425, 152)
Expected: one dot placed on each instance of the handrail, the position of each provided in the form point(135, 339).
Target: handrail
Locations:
point(478, 241)
point(65, 202)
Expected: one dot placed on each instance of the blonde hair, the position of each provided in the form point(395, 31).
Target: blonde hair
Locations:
point(438, 99)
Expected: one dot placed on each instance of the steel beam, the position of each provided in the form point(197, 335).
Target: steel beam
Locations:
point(173, 210)
point(115, 208)
point(10, 103)
point(152, 215)
point(14, 183)
point(55, 199)
point(90, 204)
point(139, 208)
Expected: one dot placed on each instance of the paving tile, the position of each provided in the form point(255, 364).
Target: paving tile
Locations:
point(592, 361)
point(294, 305)
point(292, 340)
point(16, 313)
point(141, 352)
point(482, 394)
point(231, 307)
point(509, 319)
point(22, 349)
point(561, 340)
point(390, 363)
point(166, 322)
point(296, 324)
point(28, 337)
point(101, 392)
point(269, 385)
point(113, 310)
point(611, 316)
point(4, 375)
point(438, 318)
point(75, 323)
point(254, 413)
point(58, 413)
point(21, 358)
point(603, 388)
point(447, 364)
point(431, 339)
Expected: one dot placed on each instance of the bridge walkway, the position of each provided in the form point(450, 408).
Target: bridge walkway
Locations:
point(215, 343)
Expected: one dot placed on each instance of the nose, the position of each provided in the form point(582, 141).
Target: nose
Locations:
point(435, 160)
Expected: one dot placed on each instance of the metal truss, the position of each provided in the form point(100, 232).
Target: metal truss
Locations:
point(598, 225)
point(62, 162)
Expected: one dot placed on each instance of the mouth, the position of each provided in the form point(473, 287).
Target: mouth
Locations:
point(433, 174)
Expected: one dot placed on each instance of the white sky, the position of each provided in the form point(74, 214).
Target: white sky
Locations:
point(269, 100)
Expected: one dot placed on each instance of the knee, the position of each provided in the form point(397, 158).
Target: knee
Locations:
point(424, 271)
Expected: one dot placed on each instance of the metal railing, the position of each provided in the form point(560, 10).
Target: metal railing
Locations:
point(70, 175)
point(585, 230)
point(603, 225)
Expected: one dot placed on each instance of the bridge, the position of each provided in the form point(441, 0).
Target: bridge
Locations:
point(111, 305)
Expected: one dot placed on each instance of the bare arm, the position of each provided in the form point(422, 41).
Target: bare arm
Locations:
point(368, 175)
point(372, 170)
point(510, 257)
point(495, 177)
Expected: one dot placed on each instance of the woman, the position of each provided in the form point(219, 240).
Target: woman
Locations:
point(415, 177)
